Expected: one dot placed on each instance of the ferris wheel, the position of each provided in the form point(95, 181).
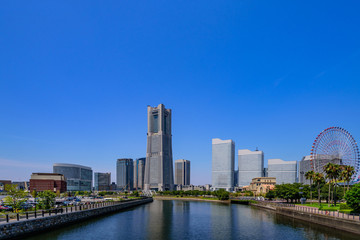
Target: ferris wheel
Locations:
point(335, 145)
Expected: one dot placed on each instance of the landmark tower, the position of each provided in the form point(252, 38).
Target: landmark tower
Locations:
point(159, 163)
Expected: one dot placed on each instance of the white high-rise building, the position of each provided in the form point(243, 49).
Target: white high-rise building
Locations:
point(223, 157)
point(283, 171)
point(251, 165)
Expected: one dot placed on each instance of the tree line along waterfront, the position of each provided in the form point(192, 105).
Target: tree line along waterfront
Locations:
point(332, 186)
point(18, 201)
point(328, 191)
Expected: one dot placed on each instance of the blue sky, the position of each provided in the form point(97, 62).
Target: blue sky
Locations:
point(76, 78)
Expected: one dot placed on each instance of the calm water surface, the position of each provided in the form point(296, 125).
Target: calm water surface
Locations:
point(175, 219)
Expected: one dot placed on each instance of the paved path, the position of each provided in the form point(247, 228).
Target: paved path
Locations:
point(335, 214)
point(40, 214)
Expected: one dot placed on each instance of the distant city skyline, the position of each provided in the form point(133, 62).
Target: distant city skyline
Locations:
point(74, 87)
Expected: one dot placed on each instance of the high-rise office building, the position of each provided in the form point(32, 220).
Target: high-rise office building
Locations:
point(223, 157)
point(304, 167)
point(159, 163)
point(251, 165)
point(139, 172)
point(283, 171)
point(102, 181)
point(236, 177)
point(182, 172)
point(78, 177)
point(124, 174)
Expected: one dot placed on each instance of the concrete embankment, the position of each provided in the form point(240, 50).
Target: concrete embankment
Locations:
point(190, 199)
point(16, 230)
point(328, 221)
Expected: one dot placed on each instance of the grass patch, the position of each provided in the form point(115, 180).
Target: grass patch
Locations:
point(325, 207)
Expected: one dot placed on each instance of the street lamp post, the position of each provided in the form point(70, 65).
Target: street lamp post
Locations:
point(35, 193)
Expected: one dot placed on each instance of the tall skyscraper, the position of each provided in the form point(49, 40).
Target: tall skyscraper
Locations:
point(223, 157)
point(159, 163)
point(102, 181)
point(124, 174)
point(283, 171)
point(139, 172)
point(251, 165)
point(182, 172)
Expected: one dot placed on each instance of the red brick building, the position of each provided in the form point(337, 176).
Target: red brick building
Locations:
point(48, 181)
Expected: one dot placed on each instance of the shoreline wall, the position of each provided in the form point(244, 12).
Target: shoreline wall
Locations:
point(327, 221)
point(19, 229)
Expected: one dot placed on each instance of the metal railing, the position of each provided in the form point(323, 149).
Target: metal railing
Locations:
point(335, 214)
point(313, 210)
point(11, 217)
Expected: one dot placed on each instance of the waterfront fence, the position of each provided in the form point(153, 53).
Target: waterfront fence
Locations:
point(10, 217)
point(313, 210)
point(335, 214)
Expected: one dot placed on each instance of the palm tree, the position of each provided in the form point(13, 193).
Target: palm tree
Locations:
point(310, 175)
point(343, 176)
point(348, 172)
point(328, 169)
point(318, 179)
point(336, 174)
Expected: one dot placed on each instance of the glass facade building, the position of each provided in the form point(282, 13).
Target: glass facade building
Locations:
point(78, 177)
point(223, 159)
point(159, 174)
point(283, 171)
point(251, 165)
point(125, 174)
point(139, 172)
point(102, 181)
point(182, 172)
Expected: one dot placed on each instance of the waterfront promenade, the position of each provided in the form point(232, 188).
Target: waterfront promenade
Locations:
point(55, 218)
point(16, 217)
point(332, 219)
point(335, 214)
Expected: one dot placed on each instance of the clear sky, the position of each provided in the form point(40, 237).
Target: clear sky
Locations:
point(76, 78)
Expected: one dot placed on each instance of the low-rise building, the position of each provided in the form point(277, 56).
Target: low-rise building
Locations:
point(261, 185)
point(48, 181)
point(3, 183)
point(190, 188)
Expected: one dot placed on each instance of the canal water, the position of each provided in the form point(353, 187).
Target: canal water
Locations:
point(176, 219)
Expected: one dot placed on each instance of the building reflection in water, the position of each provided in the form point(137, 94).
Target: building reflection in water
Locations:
point(159, 221)
point(221, 221)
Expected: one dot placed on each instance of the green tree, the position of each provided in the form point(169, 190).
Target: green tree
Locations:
point(310, 175)
point(270, 195)
point(336, 176)
point(319, 179)
point(348, 172)
point(15, 196)
point(353, 197)
point(135, 194)
point(328, 169)
point(222, 194)
point(291, 191)
point(46, 199)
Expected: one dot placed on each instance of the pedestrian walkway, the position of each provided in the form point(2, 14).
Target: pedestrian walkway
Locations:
point(13, 217)
point(335, 214)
